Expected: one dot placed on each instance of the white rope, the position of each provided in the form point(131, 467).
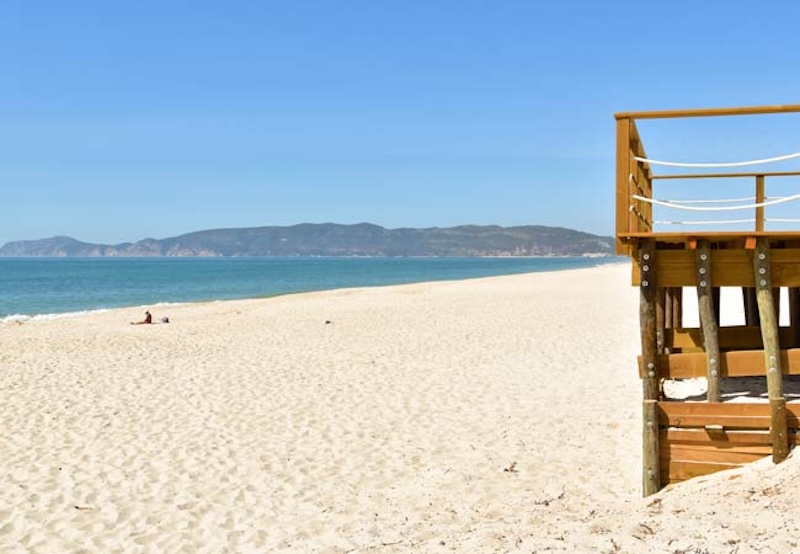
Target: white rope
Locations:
point(728, 164)
point(768, 220)
point(668, 204)
point(722, 201)
point(704, 222)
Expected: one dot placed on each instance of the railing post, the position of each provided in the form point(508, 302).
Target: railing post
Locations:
point(623, 182)
point(760, 196)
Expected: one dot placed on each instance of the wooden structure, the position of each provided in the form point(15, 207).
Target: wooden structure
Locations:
point(688, 439)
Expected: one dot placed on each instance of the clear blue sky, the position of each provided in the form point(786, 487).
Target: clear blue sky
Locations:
point(126, 120)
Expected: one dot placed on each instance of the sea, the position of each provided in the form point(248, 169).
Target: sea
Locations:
point(35, 288)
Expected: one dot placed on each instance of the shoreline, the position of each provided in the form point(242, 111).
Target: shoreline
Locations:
point(18, 317)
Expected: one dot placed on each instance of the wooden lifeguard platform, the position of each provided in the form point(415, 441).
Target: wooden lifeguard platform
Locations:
point(688, 439)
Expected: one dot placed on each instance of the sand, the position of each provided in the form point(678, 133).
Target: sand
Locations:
point(489, 415)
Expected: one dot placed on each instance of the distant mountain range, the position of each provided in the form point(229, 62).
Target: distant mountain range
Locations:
point(330, 239)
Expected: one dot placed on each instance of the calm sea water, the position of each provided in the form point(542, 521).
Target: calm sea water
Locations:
point(45, 286)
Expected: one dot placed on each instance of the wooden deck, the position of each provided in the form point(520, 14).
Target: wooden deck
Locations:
point(688, 439)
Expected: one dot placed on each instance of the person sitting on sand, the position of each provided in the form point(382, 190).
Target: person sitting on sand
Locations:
point(147, 319)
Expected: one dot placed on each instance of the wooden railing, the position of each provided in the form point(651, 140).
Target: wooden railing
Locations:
point(635, 178)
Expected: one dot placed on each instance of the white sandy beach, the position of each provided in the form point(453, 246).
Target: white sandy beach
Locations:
point(490, 415)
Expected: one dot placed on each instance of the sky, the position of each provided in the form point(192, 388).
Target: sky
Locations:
point(122, 120)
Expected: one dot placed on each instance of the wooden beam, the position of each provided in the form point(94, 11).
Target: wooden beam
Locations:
point(738, 363)
point(708, 319)
point(729, 268)
point(741, 455)
point(723, 438)
point(676, 472)
point(680, 237)
point(730, 415)
point(772, 358)
point(651, 472)
point(730, 338)
point(710, 112)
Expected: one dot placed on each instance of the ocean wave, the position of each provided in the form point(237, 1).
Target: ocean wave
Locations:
point(23, 318)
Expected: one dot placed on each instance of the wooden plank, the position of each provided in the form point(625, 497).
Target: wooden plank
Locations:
point(719, 438)
point(710, 112)
point(725, 420)
point(681, 471)
point(731, 238)
point(680, 237)
point(706, 451)
point(730, 415)
point(740, 337)
point(729, 268)
point(651, 472)
point(722, 438)
point(674, 453)
point(736, 363)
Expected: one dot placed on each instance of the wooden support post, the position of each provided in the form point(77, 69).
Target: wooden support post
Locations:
point(707, 304)
point(750, 307)
point(794, 315)
point(716, 295)
point(647, 320)
point(651, 470)
point(776, 301)
point(779, 433)
point(677, 307)
point(661, 299)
